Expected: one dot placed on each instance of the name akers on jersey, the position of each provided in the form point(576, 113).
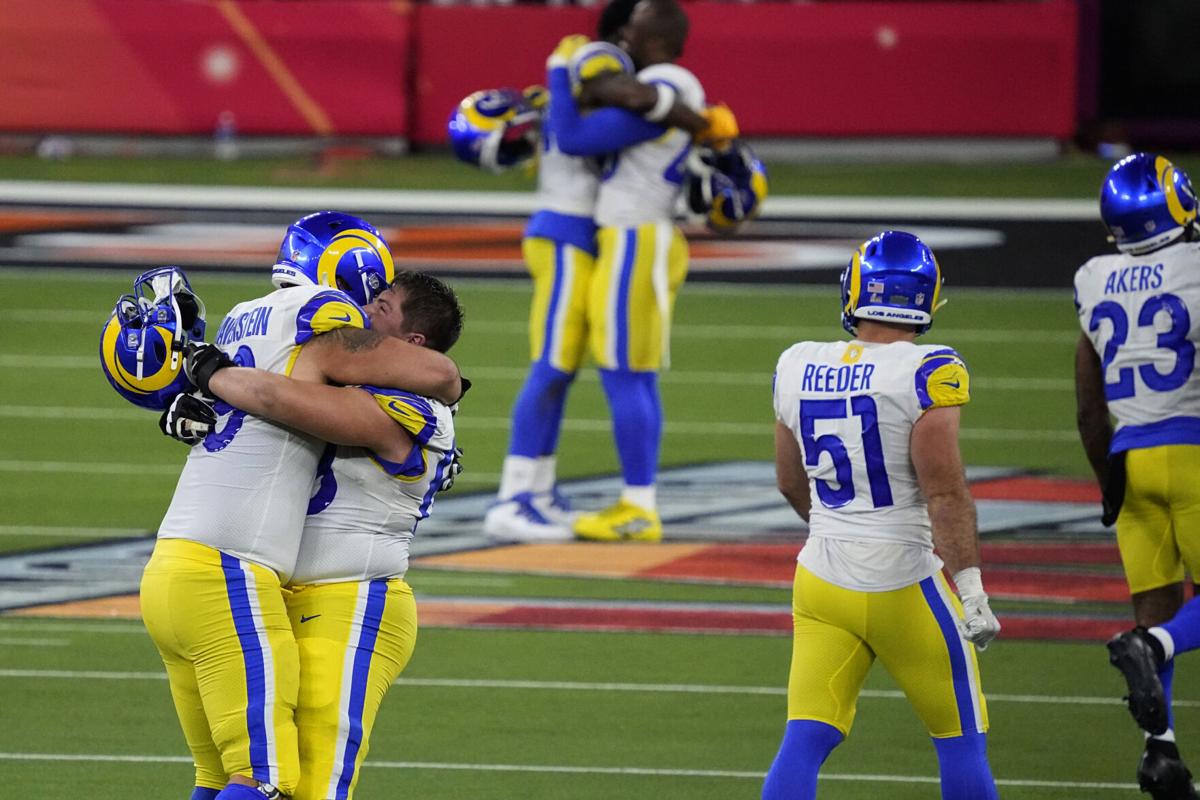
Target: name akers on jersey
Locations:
point(828, 378)
point(1138, 278)
point(254, 322)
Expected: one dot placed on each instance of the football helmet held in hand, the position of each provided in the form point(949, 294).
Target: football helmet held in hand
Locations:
point(142, 344)
point(728, 187)
point(495, 129)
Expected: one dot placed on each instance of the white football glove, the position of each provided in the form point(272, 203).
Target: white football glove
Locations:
point(978, 624)
point(188, 419)
point(452, 471)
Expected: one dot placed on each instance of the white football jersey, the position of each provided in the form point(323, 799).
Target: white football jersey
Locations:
point(244, 489)
point(566, 184)
point(365, 509)
point(852, 406)
point(1142, 315)
point(643, 183)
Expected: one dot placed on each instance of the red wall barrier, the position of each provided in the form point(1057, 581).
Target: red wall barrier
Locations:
point(820, 69)
point(171, 66)
point(344, 67)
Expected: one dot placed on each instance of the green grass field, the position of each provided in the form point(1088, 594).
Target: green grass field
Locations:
point(1075, 175)
point(529, 715)
point(71, 445)
point(490, 714)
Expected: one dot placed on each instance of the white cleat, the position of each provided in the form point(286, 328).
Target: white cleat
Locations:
point(519, 520)
point(556, 508)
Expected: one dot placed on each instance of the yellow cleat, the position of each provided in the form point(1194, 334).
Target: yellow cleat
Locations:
point(623, 522)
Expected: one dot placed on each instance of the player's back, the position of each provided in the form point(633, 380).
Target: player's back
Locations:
point(1142, 314)
point(852, 407)
point(245, 488)
point(643, 182)
point(566, 184)
point(364, 508)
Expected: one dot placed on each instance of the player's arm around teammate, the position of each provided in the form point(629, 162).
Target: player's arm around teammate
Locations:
point(943, 482)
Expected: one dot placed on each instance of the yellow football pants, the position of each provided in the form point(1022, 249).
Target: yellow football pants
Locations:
point(222, 630)
point(632, 295)
point(1158, 530)
point(558, 315)
point(840, 632)
point(354, 640)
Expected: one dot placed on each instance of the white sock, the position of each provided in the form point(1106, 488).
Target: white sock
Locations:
point(1165, 639)
point(516, 476)
point(1167, 736)
point(642, 496)
point(545, 471)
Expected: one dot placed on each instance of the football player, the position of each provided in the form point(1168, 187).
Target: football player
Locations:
point(641, 258)
point(211, 595)
point(866, 451)
point(1135, 361)
point(351, 612)
point(559, 249)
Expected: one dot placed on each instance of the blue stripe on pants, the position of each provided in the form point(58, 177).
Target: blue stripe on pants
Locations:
point(548, 340)
point(627, 265)
point(369, 631)
point(959, 668)
point(252, 656)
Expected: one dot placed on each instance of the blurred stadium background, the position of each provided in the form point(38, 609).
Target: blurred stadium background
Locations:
point(140, 132)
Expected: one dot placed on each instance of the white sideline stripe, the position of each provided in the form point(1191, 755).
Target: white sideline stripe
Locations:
point(35, 642)
point(253, 283)
point(603, 426)
point(680, 376)
point(584, 686)
point(82, 532)
point(574, 770)
point(90, 468)
point(792, 333)
point(367, 201)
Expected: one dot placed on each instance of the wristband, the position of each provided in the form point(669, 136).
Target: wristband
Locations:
point(969, 582)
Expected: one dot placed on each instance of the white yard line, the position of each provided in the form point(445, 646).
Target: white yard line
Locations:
point(466, 423)
point(589, 686)
point(80, 532)
point(6, 642)
point(564, 769)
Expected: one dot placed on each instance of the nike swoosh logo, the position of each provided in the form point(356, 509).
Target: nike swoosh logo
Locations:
point(304, 619)
point(343, 318)
point(954, 385)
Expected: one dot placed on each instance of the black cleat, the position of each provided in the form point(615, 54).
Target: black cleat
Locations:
point(1163, 774)
point(1132, 654)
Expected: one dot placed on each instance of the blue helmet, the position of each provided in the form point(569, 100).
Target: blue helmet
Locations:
point(891, 278)
point(141, 345)
point(728, 187)
point(338, 250)
point(495, 128)
point(1146, 202)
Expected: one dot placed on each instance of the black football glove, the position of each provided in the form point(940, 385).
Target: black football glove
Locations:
point(201, 361)
point(188, 419)
point(1113, 490)
point(454, 469)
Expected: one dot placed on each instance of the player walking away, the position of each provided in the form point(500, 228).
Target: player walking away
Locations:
point(866, 450)
point(352, 614)
point(1136, 361)
point(211, 594)
point(641, 261)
